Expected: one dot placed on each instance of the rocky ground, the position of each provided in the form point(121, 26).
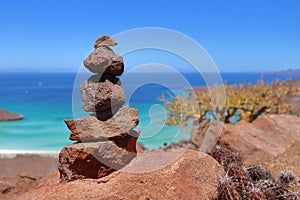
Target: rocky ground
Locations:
point(168, 182)
point(155, 175)
point(271, 141)
point(20, 173)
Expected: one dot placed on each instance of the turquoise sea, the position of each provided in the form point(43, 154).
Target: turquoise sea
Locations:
point(45, 100)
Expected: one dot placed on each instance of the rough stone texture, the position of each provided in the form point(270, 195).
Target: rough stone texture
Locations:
point(8, 116)
point(78, 161)
point(101, 93)
point(96, 159)
point(272, 141)
point(20, 173)
point(23, 173)
point(12, 186)
point(104, 40)
point(190, 176)
point(91, 129)
point(50, 179)
point(104, 60)
point(140, 148)
point(201, 130)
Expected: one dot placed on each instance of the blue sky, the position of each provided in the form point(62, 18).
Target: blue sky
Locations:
point(52, 35)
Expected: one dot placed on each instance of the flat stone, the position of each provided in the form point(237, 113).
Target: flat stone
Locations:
point(101, 93)
point(104, 40)
point(91, 128)
point(104, 60)
point(96, 159)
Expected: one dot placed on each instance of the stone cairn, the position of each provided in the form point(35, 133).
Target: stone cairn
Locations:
point(106, 139)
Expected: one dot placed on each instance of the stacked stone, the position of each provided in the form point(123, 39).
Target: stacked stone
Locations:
point(106, 139)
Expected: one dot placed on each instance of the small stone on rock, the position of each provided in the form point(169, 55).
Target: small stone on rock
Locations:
point(104, 40)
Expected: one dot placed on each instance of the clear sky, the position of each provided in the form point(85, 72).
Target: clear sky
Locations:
point(240, 35)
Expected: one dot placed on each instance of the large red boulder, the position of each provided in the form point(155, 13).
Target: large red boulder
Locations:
point(157, 175)
point(271, 140)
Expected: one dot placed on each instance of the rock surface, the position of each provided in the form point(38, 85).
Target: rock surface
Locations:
point(101, 93)
point(190, 176)
point(20, 173)
point(8, 116)
point(272, 141)
point(105, 40)
point(11, 187)
point(96, 159)
point(25, 172)
point(206, 133)
point(91, 129)
point(104, 60)
point(199, 131)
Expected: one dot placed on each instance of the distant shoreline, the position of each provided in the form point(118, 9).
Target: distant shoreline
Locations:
point(284, 72)
point(4, 153)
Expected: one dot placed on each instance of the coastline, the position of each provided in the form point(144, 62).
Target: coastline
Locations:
point(4, 153)
point(30, 162)
point(52, 94)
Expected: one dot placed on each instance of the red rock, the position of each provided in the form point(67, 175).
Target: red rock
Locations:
point(198, 132)
point(205, 134)
point(96, 159)
point(92, 129)
point(8, 116)
point(22, 172)
point(140, 148)
point(101, 93)
point(12, 186)
point(104, 60)
point(272, 141)
point(104, 40)
point(50, 179)
point(187, 175)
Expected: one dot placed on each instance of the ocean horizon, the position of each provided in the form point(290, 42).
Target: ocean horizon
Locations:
point(46, 99)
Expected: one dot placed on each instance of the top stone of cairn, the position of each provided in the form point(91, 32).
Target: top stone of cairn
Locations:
point(104, 40)
point(103, 60)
